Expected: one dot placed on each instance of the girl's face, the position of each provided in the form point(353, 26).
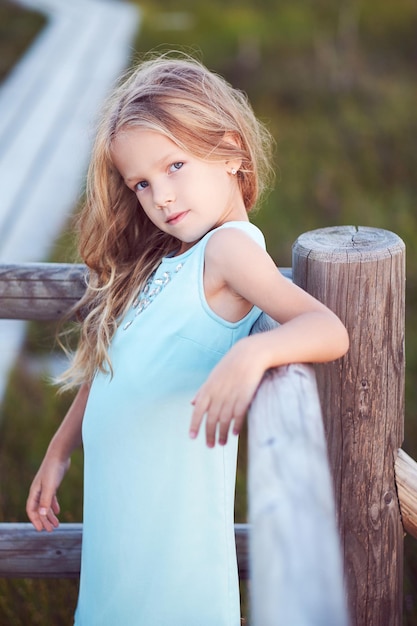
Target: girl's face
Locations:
point(181, 194)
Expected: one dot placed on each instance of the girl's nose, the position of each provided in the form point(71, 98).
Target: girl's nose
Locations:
point(163, 196)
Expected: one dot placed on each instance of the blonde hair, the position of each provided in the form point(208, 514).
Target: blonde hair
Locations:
point(199, 111)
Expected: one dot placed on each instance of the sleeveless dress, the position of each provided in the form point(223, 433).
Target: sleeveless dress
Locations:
point(158, 540)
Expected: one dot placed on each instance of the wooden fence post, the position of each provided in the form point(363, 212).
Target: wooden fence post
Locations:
point(359, 273)
point(295, 557)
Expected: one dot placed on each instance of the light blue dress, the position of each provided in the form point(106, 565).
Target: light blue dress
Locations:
point(158, 541)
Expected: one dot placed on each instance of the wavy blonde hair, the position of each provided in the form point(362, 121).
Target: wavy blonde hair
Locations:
point(196, 109)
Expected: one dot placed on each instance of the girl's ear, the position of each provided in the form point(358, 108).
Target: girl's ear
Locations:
point(232, 138)
point(233, 164)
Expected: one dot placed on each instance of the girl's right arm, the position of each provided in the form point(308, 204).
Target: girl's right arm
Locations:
point(42, 505)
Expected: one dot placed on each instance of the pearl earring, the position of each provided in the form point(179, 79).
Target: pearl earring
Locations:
point(233, 172)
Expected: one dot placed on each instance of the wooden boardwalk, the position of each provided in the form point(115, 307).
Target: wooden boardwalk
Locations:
point(47, 109)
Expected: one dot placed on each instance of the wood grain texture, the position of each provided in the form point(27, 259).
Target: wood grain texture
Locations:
point(26, 553)
point(40, 291)
point(406, 479)
point(295, 556)
point(45, 291)
point(360, 274)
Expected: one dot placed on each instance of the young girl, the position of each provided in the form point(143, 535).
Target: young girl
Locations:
point(165, 365)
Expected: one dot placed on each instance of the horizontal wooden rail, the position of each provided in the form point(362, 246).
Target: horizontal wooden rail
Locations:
point(26, 553)
point(45, 291)
point(40, 291)
point(406, 480)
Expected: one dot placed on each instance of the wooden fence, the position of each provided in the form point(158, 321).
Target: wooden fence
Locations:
point(330, 492)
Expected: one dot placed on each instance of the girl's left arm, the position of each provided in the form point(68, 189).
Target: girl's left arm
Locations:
point(308, 332)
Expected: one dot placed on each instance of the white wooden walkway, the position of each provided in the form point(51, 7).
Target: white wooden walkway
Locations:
point(47, 109)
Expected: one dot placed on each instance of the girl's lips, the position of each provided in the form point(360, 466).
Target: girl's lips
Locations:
point(176, 217)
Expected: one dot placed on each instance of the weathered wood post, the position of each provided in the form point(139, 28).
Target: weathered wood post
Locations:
point(295, 557)
point(360, 274)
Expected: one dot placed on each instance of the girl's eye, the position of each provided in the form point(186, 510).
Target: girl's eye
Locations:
point(141, 186)
point(176, 166)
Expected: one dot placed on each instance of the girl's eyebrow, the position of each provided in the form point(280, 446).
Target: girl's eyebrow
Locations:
point(168, 158)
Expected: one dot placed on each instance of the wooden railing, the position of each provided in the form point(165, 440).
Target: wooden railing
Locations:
point(302, 508)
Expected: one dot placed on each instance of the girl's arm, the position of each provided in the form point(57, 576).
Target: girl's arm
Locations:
point(308, 331)
point(42, 505)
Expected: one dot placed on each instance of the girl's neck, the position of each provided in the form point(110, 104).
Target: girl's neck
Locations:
point(185, 246)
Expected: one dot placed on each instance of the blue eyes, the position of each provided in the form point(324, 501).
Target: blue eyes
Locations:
point(174, 167)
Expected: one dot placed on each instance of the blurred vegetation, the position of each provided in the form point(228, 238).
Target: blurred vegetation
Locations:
point(18, 28)
point(31, 414)
point(28, 420)
point(336, 84)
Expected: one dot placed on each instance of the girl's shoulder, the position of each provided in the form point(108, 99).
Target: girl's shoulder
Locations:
point(231, 232)
point(235, 248)
point(232, 251)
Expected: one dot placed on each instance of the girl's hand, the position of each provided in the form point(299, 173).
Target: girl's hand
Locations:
point(227, 393)
point(42, 505)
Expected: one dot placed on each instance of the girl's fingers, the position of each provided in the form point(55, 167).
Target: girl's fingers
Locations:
point(219, 417)
point(48, 506)
point(55, 505)
point(223, 432)
point(32, 509)
point(220, 404)
point(226, 417)
point(200, 407)
point(238, 423)
point(240, 410)
point(42, 509)
point(218, 412)
point(48, 519)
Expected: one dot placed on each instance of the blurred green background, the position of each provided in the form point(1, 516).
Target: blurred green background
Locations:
point(336, 84)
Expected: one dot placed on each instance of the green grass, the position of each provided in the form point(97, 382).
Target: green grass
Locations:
point(29, 416)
